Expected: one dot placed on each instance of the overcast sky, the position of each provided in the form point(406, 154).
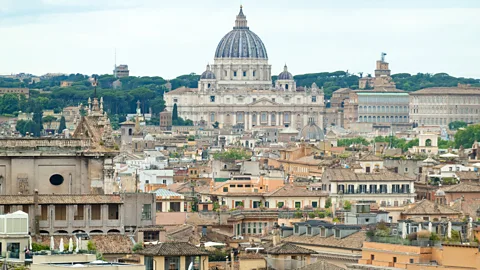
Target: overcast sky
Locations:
point(175, 37)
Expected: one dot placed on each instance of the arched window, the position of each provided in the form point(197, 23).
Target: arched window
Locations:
point(428, 142)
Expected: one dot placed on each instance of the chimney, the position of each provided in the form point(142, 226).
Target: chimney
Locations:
point(162, 235)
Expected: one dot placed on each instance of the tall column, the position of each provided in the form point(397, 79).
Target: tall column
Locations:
point(269, 119)
point(258, 119)
point(234, 118)
point(277, 119)
point(249, 121)
point(280, 118)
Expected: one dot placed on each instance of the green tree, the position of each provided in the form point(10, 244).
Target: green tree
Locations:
point(9, 103)
point(347, 205)
point(24, 126)
point(467, 136)
point(232, 155)
point(49, 119)
point(38, 121)
point(328, 203)
point(62, 126)
point(215, 125)
point(456, 125)
point(175, 112)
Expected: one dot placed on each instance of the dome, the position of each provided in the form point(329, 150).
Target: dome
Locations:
point(285, 75)
point(207, 74)
point(311, 132)
point(149, 137)
point(241, 42)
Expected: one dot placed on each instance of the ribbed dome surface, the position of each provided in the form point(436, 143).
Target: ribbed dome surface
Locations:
point(311, 132)
point(285, 75)
point(208, 74)
point(241, 42)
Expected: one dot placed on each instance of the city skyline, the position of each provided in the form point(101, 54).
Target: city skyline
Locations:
point(166, 39)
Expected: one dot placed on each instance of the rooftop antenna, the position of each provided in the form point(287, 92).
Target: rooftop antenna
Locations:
point(383, 56)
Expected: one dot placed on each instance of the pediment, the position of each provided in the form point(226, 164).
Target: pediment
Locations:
point(263, 102)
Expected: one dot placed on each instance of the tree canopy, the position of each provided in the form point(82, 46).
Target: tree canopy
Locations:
point(232, 155)
point(467, 136)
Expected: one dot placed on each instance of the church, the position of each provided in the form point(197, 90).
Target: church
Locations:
point(237, 90)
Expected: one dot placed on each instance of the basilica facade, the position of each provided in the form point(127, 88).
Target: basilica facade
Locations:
point(237, 89)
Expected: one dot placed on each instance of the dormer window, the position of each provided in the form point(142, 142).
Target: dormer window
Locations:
point(337, 233)
point(309, 230)
point(296, 229)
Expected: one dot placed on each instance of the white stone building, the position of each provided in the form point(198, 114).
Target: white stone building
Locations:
point(237, 88)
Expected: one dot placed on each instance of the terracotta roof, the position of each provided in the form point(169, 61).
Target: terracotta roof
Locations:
point(295, 191)
point(61, 199)
point(251, 256)
point(181, 90)
point(462, 187)
point(289, 248)
point(112, 243)
point(371, 157)
point(353, 241)
point(321, 265)
point(173, 249)
point(350, 175)
point(468, 175)
point(447, 91)
point(426, 207)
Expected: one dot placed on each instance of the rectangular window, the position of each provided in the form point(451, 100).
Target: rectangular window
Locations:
point(314, 98)
point(280, 204)
point(225, 189)
point(175, 206)
point(298, 204)
point(314, 204)
point(212, 98)
point(254, 99)
point(412, 261)
point(96, 211)
point(234, 74)
point(239, 186)
point(244, 74)
point(254, 73)
point(175, 100)
point(148, 261)
point(147, 212)
point(113, 211)
point(60, 212)
point(273, 99)
point(44, 212)
point(79, 215)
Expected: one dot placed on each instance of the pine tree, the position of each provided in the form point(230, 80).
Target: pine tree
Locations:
point(38, 119)
point(175, 112)
point(62, 125)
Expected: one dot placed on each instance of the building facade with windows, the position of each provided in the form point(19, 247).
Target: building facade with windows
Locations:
point(369, 181)
point(237, 88)
point(93, 214)
point(384, 109)
point(443, 105)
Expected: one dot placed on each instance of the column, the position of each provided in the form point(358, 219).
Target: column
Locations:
point(258, 118)
point(234, 118)
point(280, 116)
point(277, 119)
point(249, 120)
point(269, 119)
